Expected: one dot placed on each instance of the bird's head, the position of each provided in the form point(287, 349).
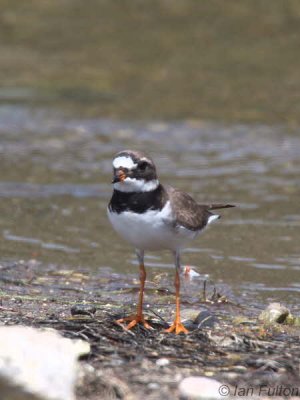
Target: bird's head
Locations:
point(134, 171)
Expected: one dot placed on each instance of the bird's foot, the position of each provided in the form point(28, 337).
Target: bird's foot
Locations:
point(134, 320)
point(187, 271)
point(178, 327)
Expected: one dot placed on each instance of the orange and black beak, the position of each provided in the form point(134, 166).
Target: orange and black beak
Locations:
point(119, 176)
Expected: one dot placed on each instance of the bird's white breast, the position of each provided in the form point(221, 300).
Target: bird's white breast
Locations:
point(152, 230)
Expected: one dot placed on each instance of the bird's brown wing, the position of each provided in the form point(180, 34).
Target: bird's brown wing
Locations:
point(188, 212)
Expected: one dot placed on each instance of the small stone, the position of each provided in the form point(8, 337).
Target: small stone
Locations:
point(205, 320)
point(83, 309)
point(201, 388)
point(162, 362)
point(274, 313)
point(209, 373)
point(153, 386)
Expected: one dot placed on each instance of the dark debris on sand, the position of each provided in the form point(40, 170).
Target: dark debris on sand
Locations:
point(124, 364)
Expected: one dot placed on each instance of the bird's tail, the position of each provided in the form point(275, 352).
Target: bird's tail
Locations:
point(217, 206)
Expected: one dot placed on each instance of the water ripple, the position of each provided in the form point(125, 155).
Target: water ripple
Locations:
point(12, 189)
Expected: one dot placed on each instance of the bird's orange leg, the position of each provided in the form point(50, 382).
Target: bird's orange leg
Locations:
point(139, 316)
point(177, 325)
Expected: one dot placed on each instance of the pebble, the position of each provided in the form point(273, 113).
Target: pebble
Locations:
point(162, 362)
point(209, 373)
point(38, 364)
point(83, 309)
point(274, 313)
point(205, 320)
point(153, 386)
point(200, 388)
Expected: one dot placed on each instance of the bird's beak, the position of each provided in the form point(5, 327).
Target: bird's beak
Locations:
point(119, 176)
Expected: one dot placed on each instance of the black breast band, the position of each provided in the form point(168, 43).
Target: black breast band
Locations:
point(138, 202)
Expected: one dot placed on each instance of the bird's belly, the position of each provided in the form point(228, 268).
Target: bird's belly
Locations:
point(152, 230)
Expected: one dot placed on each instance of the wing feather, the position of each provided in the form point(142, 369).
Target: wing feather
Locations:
point(188, 212)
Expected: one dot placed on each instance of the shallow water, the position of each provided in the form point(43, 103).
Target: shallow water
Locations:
point(55, 185)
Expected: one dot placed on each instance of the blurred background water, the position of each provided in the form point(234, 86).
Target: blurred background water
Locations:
point(210, 89)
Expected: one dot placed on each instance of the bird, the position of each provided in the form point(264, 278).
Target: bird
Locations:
point(151, 216)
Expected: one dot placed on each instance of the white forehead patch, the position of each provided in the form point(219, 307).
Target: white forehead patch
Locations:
point(125, 162)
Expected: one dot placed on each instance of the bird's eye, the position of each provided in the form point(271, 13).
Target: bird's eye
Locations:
point(143, 165)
